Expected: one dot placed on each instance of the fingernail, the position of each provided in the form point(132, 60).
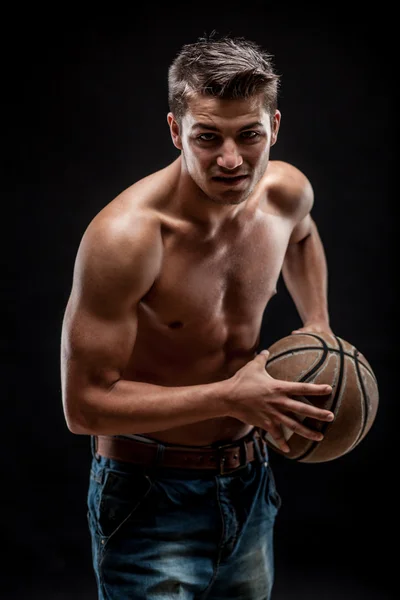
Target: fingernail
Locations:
point(331, 417)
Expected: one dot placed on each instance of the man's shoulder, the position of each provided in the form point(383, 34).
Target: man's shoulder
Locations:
point(122, 221)
point(288, 188)
point(287, 177)
point(125, 232)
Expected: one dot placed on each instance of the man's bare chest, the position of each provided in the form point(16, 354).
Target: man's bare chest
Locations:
point(229, 279)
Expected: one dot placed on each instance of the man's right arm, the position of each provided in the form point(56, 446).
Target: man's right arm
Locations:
point(116, 265)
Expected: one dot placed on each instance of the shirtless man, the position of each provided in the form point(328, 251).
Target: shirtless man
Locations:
point(160, 360)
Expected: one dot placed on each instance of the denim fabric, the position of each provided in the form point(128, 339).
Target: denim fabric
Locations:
point(176, 534)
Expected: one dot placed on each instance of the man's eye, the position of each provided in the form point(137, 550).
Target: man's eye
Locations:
point(207, 137)
point(250, 135)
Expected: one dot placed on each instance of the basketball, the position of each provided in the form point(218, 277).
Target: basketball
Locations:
point(325, 358)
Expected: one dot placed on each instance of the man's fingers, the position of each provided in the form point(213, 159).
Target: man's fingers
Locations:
point(308, 389)
point(275, 431)
point(308, 410)
point(263, 357)
point(301, 429)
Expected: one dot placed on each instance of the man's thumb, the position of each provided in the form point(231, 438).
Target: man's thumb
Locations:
point(265, 354)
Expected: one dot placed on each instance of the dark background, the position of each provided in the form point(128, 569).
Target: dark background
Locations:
point(87, 112)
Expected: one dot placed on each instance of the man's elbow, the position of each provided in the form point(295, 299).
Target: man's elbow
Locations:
point(78, 419)
point(77, 427)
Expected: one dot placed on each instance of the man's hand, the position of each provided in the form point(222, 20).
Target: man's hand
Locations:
point(260, 400)
point(314, 327)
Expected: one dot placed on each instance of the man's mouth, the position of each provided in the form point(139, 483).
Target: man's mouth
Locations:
point(229, 179)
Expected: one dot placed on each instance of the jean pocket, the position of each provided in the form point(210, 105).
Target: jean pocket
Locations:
point(120, 496)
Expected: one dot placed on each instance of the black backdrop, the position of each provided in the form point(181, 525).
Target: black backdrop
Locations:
point(88, 104)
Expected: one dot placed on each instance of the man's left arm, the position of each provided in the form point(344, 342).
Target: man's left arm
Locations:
point(305, 274)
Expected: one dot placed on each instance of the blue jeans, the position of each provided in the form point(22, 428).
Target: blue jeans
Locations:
point(177, 534)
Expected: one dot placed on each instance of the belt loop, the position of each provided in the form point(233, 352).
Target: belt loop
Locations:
point(264, 445)
point(93, 447)
point(159, 455)
point(259, 447)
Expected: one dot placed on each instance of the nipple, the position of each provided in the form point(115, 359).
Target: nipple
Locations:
point(175, 325)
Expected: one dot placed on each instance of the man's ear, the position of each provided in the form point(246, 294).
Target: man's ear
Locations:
point(174, 130)
point(275, 123)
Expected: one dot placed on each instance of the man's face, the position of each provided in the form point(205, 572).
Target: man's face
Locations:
point(225, 145)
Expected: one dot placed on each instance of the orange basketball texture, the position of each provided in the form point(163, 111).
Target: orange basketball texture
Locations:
point(325, 358)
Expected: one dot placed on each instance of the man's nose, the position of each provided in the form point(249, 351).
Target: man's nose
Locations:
point(229, 156)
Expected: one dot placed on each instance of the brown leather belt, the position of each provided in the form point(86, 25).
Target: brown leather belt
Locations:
point(222, 459)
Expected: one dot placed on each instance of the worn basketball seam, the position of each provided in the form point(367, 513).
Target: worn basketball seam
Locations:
point(364, 401)
point(316, 363)
point(311, 443)
point(325, 426)
point(300, 348)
